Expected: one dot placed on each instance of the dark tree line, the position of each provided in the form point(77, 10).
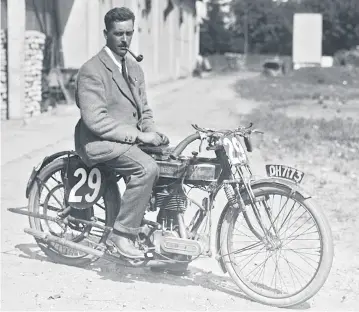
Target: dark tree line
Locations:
point(266, 26)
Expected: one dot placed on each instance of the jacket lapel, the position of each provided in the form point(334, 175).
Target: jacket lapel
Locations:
point(134, 85)
point(117, 76)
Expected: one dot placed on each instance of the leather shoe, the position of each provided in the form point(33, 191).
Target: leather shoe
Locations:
point(126, 246)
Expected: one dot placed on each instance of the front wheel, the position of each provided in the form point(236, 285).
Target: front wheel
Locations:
point(290, 260)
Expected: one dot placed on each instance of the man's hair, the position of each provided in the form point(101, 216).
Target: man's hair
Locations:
point(118, 15)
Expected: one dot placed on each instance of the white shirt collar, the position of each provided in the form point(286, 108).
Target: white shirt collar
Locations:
point(109, 52)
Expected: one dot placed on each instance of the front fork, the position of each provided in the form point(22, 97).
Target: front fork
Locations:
point(236, 200)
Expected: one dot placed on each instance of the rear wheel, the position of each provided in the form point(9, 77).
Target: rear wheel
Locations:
point(290, 263)
point(47, 198)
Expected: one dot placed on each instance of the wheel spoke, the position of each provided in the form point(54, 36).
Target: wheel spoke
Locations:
point(53, 196)
point(291, 271)
point(298, 235)
point(262, 263)
point(253, 256)
point(239, 231)
point(57, 181)
point(303, 257)
point(294, 238)
point(299, 269)
point(288, 217)
point(249, 247)
point(296, 220)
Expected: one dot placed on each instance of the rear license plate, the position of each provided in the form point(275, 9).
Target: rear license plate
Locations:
point(285, 172)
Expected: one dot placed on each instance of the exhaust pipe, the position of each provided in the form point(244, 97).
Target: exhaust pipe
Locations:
point(47, 237)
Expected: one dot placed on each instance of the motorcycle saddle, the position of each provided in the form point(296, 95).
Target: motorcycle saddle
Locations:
point(162, 150)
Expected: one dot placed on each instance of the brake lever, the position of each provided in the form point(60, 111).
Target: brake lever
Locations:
point(200, 146)
point(203, 137)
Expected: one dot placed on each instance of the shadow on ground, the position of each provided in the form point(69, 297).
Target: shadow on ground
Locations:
point(119, 273)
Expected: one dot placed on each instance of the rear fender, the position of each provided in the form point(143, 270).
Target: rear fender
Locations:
point(292, 187)
point(41, 165)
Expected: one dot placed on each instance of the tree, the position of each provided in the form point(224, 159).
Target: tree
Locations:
point(340, 22)
point(214, 36)
point(268, 24)
point(263, 24)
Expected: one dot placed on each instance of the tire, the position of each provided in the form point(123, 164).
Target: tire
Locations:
point(111, 202)
point(326, 252)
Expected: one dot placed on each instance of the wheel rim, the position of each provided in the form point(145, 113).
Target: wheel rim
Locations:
point(276, 267)
point(50, 201)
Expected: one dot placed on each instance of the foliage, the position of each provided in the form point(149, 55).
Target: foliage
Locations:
point(269, 25)
point(340, 22)
point(215, 37)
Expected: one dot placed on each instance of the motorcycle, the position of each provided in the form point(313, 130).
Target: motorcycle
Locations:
point(279, 231)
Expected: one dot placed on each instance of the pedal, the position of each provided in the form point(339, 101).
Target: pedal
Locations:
point(181, 246)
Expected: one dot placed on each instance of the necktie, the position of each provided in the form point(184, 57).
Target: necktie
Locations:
point(124, 70)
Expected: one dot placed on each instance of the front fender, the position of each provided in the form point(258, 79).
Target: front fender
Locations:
point(41, 165)
point(292, 187)
point(282, 182)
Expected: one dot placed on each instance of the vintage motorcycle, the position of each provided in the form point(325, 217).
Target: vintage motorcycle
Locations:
point(274, 242)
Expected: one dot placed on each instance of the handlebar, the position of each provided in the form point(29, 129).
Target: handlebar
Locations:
point(183, 144)
point(211, 133)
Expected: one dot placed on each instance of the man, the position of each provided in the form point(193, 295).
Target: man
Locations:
point(115, 116)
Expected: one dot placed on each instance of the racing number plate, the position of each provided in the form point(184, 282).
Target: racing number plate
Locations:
point(234, 150)
point(285, 172)
point(84, 185)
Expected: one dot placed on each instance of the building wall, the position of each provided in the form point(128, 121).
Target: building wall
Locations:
point(168, 45)
point(169, 48)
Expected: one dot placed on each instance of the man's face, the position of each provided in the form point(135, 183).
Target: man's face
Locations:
point(119, 36)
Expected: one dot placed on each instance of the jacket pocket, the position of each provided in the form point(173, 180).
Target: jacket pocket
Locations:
point(98, 149)
point(92, 145)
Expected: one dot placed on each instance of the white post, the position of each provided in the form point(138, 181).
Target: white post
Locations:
point(16, 20)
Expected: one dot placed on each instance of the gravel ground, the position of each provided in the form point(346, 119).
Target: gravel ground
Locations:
point(31, 282)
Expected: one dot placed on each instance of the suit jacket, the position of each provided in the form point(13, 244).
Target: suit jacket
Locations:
point(112, 113)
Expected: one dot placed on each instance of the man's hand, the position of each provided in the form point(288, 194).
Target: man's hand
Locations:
point(165, 139)
point(152, 138)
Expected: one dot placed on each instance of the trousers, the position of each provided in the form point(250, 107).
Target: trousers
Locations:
point(142, 172)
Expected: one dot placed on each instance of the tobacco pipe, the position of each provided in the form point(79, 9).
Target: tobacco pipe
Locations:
point(138, 58)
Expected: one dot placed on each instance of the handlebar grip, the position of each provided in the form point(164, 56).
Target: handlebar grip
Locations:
point(183, 144)
point(248, 143)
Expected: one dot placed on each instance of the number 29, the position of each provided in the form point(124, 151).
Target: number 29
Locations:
point(93, 182)
point(236, 153)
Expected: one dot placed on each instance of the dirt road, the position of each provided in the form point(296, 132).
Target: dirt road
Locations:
point(31, 282)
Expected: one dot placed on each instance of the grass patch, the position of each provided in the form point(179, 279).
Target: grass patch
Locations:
point(340, 137)
point(337, 135)
point(306, 83)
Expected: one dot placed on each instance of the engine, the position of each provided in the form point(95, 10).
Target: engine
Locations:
point(172, 203)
